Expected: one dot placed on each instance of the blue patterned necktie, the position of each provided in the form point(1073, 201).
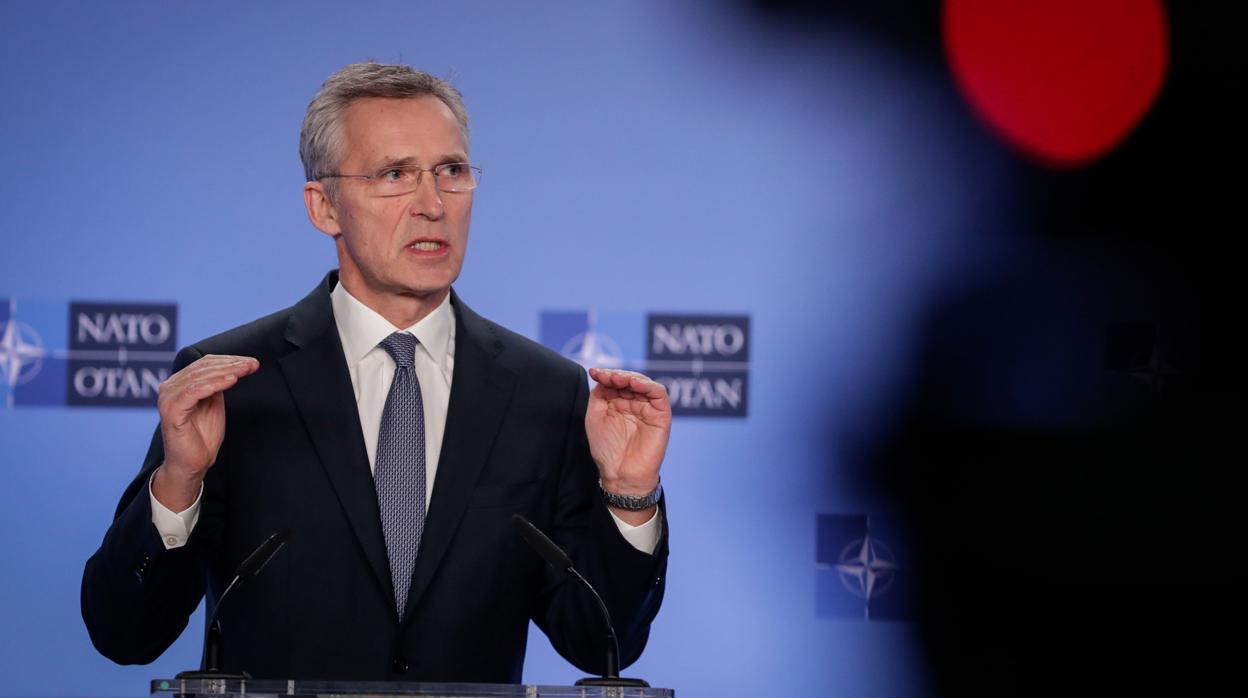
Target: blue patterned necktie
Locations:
point(400, 470)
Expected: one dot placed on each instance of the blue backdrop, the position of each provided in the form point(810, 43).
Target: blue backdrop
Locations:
point(721, 165)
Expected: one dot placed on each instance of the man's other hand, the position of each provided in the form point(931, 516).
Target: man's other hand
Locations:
point(192, 424)
point(627, 422)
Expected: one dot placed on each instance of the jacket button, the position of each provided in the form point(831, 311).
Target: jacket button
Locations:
point(400, 665)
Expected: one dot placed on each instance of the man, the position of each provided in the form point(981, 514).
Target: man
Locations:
point(394, 432)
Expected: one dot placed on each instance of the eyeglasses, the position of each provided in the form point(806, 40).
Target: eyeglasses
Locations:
point(397, 180)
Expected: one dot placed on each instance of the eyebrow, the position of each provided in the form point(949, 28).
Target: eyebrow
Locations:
point(407, 160)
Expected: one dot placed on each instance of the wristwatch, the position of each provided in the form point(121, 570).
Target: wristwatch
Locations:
point(627, 503)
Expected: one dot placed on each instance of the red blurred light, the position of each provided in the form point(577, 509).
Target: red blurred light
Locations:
point(1065, 81)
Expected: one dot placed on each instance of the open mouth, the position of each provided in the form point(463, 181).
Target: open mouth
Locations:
point(427, 246)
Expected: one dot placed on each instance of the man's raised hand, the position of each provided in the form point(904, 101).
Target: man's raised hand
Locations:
point(192, 424)
point(627, 422)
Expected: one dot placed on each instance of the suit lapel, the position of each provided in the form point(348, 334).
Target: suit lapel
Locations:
point(316, 374)
point(480, 392)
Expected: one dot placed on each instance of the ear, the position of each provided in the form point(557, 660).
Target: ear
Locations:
point(321, 210)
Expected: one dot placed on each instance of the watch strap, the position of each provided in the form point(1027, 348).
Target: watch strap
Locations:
point(630, 503)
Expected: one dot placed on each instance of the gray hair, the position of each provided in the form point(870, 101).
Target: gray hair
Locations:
point(320, 141)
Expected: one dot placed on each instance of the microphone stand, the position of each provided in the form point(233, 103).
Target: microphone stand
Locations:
point(557, 558)
point(610, 678)
point(212, 647)
point(249, 568)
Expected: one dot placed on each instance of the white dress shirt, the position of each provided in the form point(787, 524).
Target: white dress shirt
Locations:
point(361, 330)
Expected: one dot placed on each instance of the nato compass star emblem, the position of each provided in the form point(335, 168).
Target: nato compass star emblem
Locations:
point(867, 567)
point(593, 348)
point(858, 576)
point(21, 353)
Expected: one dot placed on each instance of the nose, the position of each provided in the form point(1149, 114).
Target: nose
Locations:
point(427, 200)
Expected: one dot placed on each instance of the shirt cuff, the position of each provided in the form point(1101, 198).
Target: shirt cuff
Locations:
point(175, 528)
point(644, 537)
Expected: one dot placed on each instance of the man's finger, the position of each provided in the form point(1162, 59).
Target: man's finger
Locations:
point(181, 381)
point(179, 399)
point(607, 392)
point(617, 377)
point(648, 389)
point(226, 358)
point(198, 390)
point(631, 382)
point(238, 369)
point(241, 365)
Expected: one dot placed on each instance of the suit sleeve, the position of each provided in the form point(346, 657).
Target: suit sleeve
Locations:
point(137, 595)
point(630, 581)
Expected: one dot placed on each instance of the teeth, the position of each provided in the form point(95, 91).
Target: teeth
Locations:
point(425, 246)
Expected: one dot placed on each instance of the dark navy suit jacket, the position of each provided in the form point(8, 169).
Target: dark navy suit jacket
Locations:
point(293, 457)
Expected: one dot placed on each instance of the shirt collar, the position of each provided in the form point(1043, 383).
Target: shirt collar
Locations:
point(361, 328)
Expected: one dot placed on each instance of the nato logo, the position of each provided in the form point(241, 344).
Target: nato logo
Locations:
point(702, 360)
point(860, 569)
point(84, 354)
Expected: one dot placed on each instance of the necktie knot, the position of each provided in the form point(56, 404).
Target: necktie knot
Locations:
point(401, 347)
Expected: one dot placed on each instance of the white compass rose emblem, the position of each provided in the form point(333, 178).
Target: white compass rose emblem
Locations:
point(21, 353)
point(867, 567)
point(593, 348)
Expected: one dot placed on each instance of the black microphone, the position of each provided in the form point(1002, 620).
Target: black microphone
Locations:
point(559, 559)
point(249, 569)
point(256, 561)
point(544, 546)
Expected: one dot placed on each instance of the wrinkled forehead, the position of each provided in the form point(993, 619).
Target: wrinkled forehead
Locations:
point(418, 129)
